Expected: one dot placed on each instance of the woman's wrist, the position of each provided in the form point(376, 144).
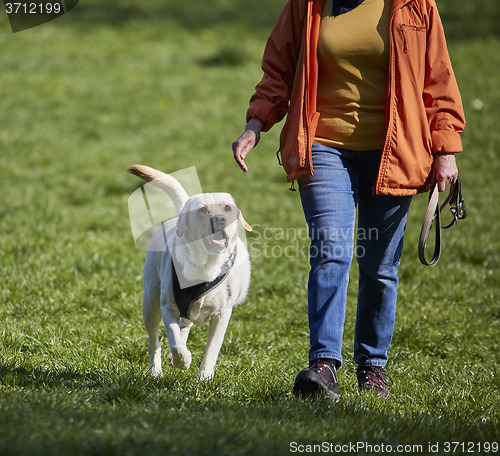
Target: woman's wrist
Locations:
point(255, 125)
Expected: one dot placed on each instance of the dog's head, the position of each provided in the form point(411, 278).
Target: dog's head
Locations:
point(211, 218)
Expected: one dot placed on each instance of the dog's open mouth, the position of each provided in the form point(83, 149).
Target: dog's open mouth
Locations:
point(218, 241)
point(220, 238)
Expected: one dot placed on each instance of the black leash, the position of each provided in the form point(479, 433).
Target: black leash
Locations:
point(433, 214)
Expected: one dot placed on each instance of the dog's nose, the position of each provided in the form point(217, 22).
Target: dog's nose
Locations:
point(218, 222)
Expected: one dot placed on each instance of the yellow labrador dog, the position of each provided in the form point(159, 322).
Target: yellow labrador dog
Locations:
point(196, 268)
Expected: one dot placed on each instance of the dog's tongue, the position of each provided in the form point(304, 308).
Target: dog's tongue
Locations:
point(219, 238)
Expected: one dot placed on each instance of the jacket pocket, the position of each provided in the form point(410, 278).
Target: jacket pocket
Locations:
point(407, 32)
point(411, 46)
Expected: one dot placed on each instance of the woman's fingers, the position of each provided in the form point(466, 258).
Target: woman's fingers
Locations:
point(242, 146)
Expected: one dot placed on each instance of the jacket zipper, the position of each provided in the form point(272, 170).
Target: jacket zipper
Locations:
point(306, 98)
point(390, 93)
point(405, 47)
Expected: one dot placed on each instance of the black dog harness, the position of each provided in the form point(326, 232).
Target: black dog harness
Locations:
point(184, 297)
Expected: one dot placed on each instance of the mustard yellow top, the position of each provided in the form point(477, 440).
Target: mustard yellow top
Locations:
point(353, 56)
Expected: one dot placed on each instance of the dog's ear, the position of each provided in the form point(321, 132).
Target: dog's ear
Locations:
point(181, 224)
point(243, 221)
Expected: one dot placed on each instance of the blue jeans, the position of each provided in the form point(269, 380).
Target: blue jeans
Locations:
point(342, 181)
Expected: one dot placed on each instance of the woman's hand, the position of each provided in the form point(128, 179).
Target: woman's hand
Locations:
point(247, 141)
point(444, 170)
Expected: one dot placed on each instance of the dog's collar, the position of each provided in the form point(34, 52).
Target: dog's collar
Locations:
point(186, 296)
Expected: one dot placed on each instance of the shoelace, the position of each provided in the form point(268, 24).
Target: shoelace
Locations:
point(375, 377)
point(322, 367)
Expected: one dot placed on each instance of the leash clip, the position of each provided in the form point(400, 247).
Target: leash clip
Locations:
point(433, 214)
point(457, 204)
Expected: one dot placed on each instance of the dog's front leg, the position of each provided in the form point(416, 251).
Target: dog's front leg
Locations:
point(152, 319)
point(179, 355)
point(185, 326)
point(216, 332)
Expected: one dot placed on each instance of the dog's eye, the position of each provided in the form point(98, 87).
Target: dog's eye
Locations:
point(228, 208)
point(203, 210)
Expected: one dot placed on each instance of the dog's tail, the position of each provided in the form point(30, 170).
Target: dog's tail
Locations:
point(170, 185)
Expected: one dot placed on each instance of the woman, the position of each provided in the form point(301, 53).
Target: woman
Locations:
point(374, 116)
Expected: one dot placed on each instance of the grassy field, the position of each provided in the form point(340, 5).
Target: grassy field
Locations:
point(166, 83)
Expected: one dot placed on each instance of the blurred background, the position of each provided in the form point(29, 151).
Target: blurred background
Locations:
point(166, 83)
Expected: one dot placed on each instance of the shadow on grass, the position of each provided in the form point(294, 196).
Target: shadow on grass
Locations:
point(15, 377)
point(192, 15)
point(116, 412)
point(464, 20)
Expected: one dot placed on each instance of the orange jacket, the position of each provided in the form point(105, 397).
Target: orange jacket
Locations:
point(424, 113)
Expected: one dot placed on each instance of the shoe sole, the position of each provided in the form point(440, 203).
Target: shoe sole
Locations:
point(307, 389)
point(374, 392)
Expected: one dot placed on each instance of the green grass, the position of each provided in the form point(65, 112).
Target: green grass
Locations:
point(167, 84)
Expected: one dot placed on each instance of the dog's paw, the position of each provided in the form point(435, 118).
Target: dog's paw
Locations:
point(156, 371)
point(205, 375)
point(180, 358)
